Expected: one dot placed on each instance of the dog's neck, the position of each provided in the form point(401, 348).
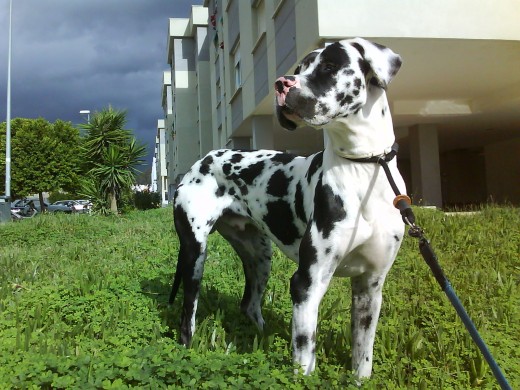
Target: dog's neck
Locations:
point(368, 133)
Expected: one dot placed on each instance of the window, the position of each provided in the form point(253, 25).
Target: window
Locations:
point(237, 72)
point(218, 91)
point(258, 20)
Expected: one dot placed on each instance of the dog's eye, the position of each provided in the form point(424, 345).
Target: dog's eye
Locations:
point(329, 66)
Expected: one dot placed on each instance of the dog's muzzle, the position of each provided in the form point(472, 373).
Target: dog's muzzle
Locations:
point(286, 116)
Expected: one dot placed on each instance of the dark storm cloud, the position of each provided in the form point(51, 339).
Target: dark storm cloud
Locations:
point(73, 55)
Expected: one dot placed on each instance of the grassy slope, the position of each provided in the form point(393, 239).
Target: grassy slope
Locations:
point(83, 304)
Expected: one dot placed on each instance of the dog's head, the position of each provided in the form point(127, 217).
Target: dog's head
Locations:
point(332, 82)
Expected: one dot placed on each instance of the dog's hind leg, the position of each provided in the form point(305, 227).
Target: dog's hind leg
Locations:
point(254, 249)
point(190, 266)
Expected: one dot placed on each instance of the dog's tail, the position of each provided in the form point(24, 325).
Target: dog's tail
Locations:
point(177, 280)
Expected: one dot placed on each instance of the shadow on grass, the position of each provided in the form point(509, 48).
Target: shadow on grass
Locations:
point(220, 311)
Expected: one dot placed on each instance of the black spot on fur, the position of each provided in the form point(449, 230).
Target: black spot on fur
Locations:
point(204, 165)
point(395, 65)
point(359, 48)
point(323, 108)
point(226, 168)
point(220, 153)
point(243, 189)
point(328, 209)
point(279, 219)
point(278, 184)
point(221, 190)
point(283, 158)
point(364, 66)
point(315, 164)
point(356, 107)
point(301, 341)
point(236, 158)
point(332, 59)
point(346, 100)
point(307, 60)
point(301, 280)
point(298, 203)
point(251, 172)
point(190, 248)
point(366, 322)
point(231, 191)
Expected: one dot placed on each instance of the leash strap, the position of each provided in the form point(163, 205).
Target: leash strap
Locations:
point(403, 204)
point(431, 259)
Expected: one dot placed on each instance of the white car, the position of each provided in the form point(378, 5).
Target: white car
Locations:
point(87, 205)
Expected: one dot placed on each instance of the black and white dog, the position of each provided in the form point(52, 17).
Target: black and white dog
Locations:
point(331, 214)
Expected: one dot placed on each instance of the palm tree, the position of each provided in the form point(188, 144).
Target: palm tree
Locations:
point(111, 155)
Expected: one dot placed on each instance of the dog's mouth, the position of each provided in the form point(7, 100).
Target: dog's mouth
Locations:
point(286, 117)
point(294, 109)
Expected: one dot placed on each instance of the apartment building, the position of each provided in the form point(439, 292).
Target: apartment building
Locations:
point(455, 102)
point(159, 167)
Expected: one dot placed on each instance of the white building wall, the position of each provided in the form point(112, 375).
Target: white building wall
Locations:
point(190, 134)
point(465, 19)
point(160, 184)
point(272, 36)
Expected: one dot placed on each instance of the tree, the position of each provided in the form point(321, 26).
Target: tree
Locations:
point(45, 156)
point(111, 155)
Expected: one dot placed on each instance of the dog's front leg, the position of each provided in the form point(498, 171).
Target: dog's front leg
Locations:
point(308, 285)
point(366, 305)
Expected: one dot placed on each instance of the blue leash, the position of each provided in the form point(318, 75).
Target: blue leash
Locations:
point(431, 259)
point(403, 204)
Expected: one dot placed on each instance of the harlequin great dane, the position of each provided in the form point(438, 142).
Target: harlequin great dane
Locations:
point(330, 212)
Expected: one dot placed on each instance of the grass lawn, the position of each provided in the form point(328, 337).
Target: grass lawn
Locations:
point(83, 304)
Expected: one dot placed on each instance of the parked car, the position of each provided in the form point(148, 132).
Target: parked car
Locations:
point(87, 204)
point(21, 204)
point(77, 206)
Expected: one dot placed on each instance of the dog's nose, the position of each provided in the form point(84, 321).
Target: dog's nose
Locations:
point(282, 84)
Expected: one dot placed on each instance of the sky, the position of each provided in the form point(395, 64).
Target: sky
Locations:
point(72, 55)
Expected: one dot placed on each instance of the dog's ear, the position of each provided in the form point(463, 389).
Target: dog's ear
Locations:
point(380, 64)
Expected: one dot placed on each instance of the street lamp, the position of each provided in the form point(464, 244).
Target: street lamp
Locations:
point(86, 112)
point(8, 115)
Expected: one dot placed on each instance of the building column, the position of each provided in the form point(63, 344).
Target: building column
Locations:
point(239, 143)
point(424, 156)
point(262, 126)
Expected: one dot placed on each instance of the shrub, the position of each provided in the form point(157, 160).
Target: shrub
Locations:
point(146, 200)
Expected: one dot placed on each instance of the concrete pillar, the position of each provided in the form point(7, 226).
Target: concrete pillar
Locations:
point(239, 143)
point(424, 156)
point(262, 126)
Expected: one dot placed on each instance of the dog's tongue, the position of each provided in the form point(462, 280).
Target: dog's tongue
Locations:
point(280, 91)
point(280, 98)
point(282, 86)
